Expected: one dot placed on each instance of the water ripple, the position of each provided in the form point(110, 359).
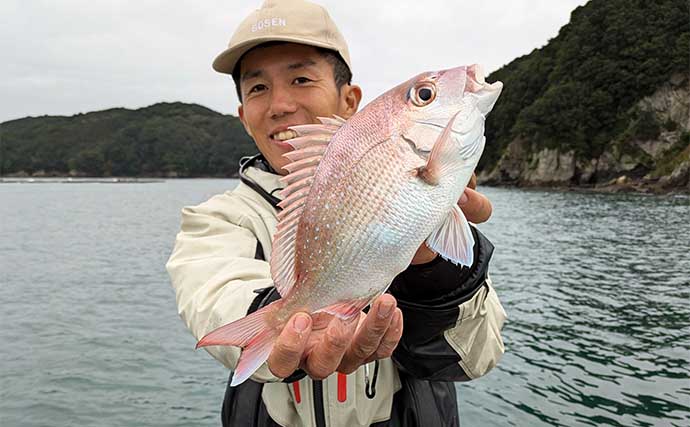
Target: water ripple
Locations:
point(596, 288)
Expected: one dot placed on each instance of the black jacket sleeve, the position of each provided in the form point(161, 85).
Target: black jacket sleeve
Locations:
point(429, 296)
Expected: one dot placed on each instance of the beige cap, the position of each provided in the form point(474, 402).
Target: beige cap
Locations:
point(295, 21)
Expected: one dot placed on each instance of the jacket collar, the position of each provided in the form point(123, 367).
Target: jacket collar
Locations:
point(267, 180)
point(256, 173)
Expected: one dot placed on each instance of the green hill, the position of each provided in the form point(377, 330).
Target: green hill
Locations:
point(605, 101)
point(167, 139)
point(595, 90)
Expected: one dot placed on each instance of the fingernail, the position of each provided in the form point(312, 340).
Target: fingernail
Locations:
point(301, 323)
point(463, 198)
point(385, 309)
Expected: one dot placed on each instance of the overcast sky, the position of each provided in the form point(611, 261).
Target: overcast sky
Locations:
point(70, 56)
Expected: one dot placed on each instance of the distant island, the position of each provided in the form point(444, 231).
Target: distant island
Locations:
point(604, 105)
point(164, 140)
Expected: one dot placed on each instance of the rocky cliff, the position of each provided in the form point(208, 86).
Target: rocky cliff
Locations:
point(657, 161)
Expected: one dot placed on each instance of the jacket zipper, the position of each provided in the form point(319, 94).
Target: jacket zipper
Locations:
point(319, 414)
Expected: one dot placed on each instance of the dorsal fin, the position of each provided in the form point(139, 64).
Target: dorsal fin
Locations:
point(310, 151)
point(310, 145)
point(303, 163)
point(294, 197)
point(315, 129)
point(335, 121)
point(309, 141)
point(299, 175)
point(297, 185)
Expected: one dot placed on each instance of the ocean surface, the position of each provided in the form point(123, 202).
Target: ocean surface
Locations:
point(596, 286)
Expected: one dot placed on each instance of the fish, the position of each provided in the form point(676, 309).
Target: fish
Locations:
point(361, 196)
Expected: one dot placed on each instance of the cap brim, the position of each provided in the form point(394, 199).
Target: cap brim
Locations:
point(226, 61)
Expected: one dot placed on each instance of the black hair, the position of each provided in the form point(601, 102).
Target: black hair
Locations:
point(341, 72)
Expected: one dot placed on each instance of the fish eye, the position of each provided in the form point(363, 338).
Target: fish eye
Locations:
point(423, 93)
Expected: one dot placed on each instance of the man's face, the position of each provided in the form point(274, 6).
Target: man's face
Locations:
point(286, 85)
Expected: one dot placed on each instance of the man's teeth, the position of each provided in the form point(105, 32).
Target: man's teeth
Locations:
point(285, 135)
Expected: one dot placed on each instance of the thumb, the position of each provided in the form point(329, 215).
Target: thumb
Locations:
point(476, 206)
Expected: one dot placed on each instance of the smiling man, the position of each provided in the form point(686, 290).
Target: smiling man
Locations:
point(396, 366)
point(284, 84)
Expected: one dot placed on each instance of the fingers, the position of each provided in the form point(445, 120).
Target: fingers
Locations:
point(325, 356)
point(371, 334)
point(390, 340)
point(476, 206)
point(289, 346)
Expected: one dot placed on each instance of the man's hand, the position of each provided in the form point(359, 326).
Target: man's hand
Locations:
point(477, 209)
point(325, 344)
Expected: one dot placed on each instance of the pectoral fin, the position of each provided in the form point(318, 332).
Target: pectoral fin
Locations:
point(437, 164)
point(453, 239)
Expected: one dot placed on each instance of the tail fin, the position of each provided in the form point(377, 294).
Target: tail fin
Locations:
point(253, 334)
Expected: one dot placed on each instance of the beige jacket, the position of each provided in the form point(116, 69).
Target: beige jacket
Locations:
point(214, 273)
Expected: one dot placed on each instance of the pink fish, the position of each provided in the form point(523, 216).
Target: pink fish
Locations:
point(361, 197)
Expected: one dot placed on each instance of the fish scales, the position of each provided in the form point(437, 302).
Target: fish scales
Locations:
point(346, 208)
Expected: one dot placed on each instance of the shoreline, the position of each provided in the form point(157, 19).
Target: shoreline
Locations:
point(608, 188)
point(85, 180)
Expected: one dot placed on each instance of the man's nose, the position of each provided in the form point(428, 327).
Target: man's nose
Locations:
point(282, 102)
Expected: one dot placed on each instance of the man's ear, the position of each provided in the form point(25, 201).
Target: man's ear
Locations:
point(240, 114)
point(350, 97)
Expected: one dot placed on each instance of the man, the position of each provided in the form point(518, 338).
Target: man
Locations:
point(291, 65)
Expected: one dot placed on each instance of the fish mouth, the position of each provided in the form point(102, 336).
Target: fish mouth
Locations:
point(478, 85)
point(486, 93)
point(476, 73)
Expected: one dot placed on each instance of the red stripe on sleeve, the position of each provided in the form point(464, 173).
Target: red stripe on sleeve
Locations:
point(342, 387)
point(298, 395)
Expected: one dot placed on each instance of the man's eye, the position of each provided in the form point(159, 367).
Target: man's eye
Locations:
point(256, 88)
point(302, 80)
